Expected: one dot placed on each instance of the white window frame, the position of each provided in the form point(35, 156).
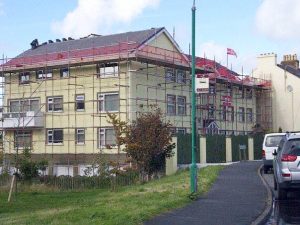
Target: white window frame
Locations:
point(80, 131)
point(181, 76)
point(249, 117)
point(102, 131)
point(50, 133)
point(101, 101)
point(182, 106)
point(79, 98)
point(172, 104)
point(21, 102)
point(241, 115)
point(181, 129)
point(22, 134)
point(44, 74)
point(108, 70)
point(50, 102)
point(25, 74)
point(65, 72)
point(170, 75)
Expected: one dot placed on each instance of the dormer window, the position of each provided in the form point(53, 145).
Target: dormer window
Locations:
point(108, 70)
point(24, 77)
point(64, 72)
point(44, 74)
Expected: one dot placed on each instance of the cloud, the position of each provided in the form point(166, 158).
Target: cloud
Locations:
point(212, 50)
point(2, 12)
point(279, 19)
point(97, 16)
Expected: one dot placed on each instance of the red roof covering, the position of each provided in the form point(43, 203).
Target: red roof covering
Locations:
point(222, 72)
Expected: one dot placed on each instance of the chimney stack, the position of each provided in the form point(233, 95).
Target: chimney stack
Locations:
point(290, 60)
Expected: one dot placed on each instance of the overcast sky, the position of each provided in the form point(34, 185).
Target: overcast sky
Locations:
point(250, 27)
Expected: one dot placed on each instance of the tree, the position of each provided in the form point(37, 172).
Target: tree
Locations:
point(147, 141)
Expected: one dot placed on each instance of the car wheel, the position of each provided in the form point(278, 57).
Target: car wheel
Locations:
point(281, 193)
point(275, 183)
point(266, 169)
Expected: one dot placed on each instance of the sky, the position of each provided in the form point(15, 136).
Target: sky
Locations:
point(250, 27)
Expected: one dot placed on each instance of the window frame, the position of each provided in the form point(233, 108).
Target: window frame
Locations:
point(22, 100)
point(170, 75)
point(78, 101)
point(249, 115)
point(44, 75)
point(173, 104)
point(77, 136)
point(61, 72)
point(182, 80)
point(101, 73)
point(182, 106)
point(241, 114)
point(53, 107)
point(101, 100)
point(25, 73)
point(53, 131)
point(102, 131)
point(29, 134)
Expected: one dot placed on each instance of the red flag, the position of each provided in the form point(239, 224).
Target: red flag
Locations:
point(231, 52)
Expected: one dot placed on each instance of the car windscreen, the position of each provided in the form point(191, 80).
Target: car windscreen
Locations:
point(292, 147)
point(273, 141)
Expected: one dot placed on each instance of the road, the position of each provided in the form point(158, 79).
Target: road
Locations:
point(284, 212)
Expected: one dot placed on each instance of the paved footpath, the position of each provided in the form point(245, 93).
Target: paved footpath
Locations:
point(237, 197)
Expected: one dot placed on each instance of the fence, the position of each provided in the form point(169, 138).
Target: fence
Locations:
point(64, 183)
point(184, 146)
point(217, 149)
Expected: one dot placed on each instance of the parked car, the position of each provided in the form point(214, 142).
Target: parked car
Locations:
point(286, 165)
point(270, 143)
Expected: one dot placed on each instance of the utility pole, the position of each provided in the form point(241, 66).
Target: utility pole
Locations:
point(193, 165)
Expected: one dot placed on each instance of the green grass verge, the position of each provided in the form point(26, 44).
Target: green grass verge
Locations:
point(128, 205)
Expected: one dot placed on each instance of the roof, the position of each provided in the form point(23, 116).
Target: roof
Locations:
point(100, 48)
point(139, 37)
point(290, 69)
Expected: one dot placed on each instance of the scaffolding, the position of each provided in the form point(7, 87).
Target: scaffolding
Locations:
point(143, 76)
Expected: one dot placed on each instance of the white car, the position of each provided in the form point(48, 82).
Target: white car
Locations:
point(270, 143)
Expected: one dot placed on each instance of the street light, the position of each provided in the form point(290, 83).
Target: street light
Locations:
point(193, 165)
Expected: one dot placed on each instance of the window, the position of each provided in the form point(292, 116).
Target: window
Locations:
point(249, 115)
point(24, 105)
point(80, 136)
point(24, 77)
point(170, 75)
point(172, 130)
point(248, 93)
point(55, 104)
point(223, 112)
point(23, 139)
point(55, 136)
point(230, 113)
point(241, 114)
point(64, 72)
point(43, 74)
point(181, 76)
point(79, 104)
point(212, 88)
point(181, 105)
point(171, 105)
point(229, 89)
point(181, 130)
point(211, 111)
point(107, 137)
point(108, 70)
point(108, 102)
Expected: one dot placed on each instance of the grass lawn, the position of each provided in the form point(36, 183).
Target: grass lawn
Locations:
point(127, 206)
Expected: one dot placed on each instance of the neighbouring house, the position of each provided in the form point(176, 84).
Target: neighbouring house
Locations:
point(285, 79)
